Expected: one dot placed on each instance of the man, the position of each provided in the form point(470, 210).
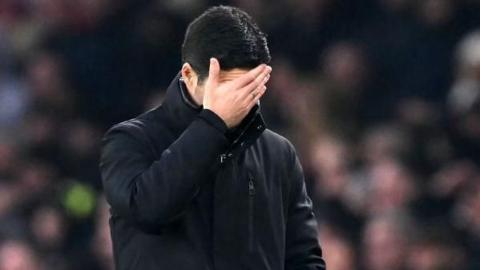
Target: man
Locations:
point(199, 183)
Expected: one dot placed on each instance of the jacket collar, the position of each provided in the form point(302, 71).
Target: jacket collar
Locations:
point(181, 111)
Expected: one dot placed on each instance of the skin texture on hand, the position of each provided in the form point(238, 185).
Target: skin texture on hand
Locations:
point(233, 99)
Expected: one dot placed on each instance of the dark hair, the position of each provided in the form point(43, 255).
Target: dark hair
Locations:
point(228, 34)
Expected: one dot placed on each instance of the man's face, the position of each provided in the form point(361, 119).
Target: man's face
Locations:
point(225, 76)
point(196, 87)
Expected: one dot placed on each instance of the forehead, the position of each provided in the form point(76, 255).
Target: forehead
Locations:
point(228, 75)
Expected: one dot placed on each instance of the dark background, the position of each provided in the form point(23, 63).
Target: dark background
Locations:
point(380, 97)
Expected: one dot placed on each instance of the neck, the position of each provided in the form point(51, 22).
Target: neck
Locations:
point(190, 95)
point(195, 98)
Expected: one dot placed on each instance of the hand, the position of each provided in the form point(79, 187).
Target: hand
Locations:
point(232, 100)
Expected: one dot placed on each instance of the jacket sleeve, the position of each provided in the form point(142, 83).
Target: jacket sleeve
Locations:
point(303, 251)
point(149, 192)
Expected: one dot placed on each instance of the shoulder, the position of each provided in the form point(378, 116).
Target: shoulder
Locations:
point(132, 134)
point(137, 127)
point(278, 146)
point(274, 139)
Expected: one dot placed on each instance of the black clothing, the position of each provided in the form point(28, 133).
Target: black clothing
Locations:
point(183, 196)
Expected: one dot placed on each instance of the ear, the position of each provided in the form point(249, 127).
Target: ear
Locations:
point(190, 77)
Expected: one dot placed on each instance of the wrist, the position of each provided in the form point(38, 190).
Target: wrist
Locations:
point(214, 119)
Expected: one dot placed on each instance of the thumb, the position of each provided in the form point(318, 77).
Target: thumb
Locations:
point(214, 71)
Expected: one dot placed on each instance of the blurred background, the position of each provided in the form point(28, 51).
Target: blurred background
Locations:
point(380, 97)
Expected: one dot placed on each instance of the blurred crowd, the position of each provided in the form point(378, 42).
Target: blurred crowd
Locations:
point(380, 97)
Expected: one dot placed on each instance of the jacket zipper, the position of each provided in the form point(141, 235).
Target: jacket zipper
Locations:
point(251, 197)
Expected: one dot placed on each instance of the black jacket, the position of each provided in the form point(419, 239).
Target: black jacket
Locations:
point(186, 193)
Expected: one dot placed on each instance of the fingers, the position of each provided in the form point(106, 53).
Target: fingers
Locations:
point(259, 81)
point(213, 71)
point(257, 97)
point(256, 92)
point(250, 76)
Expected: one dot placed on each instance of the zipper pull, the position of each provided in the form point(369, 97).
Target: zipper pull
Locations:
point(223, 157)
point(251, 186)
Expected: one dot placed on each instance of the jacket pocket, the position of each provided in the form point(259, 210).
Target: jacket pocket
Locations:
point(251, 211)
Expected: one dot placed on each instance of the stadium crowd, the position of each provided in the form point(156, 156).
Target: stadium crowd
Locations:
point(380, 97)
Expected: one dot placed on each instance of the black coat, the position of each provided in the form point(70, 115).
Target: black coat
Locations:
point(186, 193)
